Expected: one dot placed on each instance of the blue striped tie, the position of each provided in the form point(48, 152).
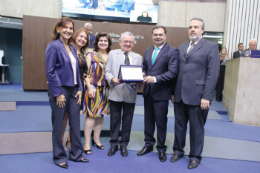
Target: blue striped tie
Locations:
point(155, 54)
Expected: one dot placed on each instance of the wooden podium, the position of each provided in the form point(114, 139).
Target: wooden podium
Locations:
point(242, 91)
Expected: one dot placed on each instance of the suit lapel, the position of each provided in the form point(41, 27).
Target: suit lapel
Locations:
point(164, 48)
point(65, 52)
point(149, 55)
point(185, 50)
point(134, 59)
point(74, 53)
point(197, 47)
point(120, 57)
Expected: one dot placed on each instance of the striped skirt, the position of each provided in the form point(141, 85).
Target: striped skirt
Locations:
point(99, 106)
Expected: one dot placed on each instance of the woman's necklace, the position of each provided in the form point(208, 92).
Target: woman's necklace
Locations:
point(101, 59)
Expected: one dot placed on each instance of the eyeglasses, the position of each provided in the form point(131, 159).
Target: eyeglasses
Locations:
point(128, 42)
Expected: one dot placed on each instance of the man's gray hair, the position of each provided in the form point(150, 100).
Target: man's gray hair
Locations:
point(253, 40)
point(199, 19)
point(87, 24)
point(126, 33)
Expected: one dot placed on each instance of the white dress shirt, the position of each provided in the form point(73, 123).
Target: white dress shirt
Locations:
point(73, 65)
point(158, 51)
point(193, 45)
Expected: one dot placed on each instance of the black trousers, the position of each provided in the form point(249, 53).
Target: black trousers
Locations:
point(197, 119)
point(115, 122)
point(73, 109)
point(155, 112)
point(220, 83)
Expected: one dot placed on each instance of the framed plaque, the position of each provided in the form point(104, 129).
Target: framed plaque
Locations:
point(255, 54)
point(130, 73)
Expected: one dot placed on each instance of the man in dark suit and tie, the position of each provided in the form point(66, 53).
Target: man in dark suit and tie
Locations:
point(160, 68)
point(194, 89)
point(237, 54)
point(92, 37)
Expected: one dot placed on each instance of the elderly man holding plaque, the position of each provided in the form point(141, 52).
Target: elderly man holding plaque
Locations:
point(160, 68)
point(122, 93)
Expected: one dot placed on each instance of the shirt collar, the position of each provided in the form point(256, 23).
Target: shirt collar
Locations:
point(129, 53)
point(196, 41)
point(161, 45)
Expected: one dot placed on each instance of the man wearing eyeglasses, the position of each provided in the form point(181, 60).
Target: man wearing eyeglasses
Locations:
point(160, 68)
point(122, 96)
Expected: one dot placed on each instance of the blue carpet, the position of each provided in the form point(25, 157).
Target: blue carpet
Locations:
point(33, 103)
point(100, 163)
point(224, 116)
point(20, 95)
point(10, 87)
point(26, 119)
point(38, 119)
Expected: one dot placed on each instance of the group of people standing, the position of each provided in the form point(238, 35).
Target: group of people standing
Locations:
point(68, 66)
point(187, 76)
point(240, 53)
point(245, 53)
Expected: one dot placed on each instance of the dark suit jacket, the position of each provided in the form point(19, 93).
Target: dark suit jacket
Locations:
point(243, 52)
point(92, 38)
point(58, 67)
point(164, 70)
point(236, 55)
point(198, 72)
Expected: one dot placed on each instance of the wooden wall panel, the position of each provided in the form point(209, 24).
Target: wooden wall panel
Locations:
point(37, 34)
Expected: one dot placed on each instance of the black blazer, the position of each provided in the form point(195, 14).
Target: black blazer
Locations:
point(236, 55)
point(164, 70)
point(198, 72)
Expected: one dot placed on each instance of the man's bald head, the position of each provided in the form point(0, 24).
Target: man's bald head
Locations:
point(252, 44)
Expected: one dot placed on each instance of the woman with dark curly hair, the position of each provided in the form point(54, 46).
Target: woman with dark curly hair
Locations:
point(96, 97)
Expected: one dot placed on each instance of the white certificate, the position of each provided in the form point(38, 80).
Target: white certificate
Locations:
point(131, 73)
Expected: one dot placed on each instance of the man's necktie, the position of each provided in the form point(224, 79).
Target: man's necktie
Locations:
point(127, 62)
point(155, 54)
point(191, 47)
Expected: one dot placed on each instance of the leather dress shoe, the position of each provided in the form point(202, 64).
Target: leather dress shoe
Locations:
point(193, 164)
point(63, 165)
point(84, 160)
point(124, 151)
point(112, 151)
point(175, 157)
point(144, 151)
point(162, 156)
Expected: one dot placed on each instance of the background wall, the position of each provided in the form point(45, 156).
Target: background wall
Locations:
point(172, 13)
point(178, 14)
point(18, 8)
point(242, 24)
point(37, 34)
point(10, 43)
point(228, 16)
